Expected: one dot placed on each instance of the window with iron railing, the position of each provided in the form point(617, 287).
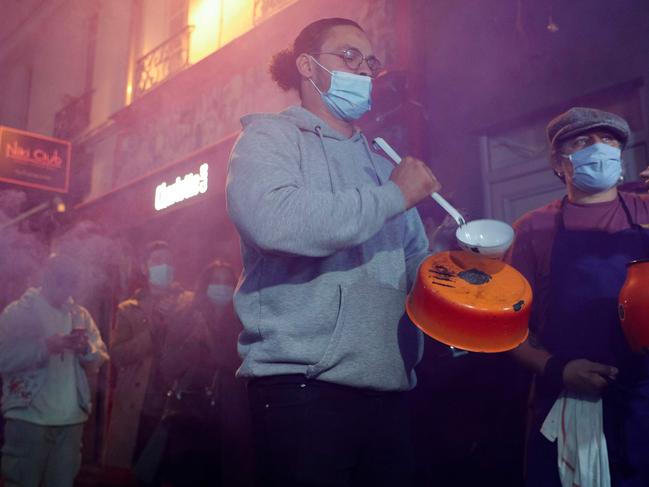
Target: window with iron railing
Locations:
point(209, 25)
point(262, 9)
point(74, 117)
point(163, 61)
point(218, 22)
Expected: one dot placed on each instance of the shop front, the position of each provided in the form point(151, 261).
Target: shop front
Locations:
point(182, 203)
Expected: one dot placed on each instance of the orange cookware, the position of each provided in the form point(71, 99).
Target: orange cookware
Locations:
point(471, 302)
point(633, 305)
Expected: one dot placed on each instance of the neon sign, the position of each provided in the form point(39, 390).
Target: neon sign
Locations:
point(184, 188)
point(34, 160)
point(38, 157)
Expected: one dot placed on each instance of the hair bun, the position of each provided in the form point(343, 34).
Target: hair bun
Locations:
point(283, 71)
point(282, 67)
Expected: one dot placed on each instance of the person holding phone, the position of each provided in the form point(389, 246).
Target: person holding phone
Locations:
point(46, 342)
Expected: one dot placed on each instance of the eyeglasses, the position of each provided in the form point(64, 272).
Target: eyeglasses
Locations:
point(581, 141)
point(354, 58)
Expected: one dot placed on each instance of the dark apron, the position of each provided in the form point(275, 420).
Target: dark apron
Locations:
point(587, 271)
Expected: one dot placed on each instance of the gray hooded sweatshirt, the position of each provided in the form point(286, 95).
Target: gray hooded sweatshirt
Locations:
point(329, 254)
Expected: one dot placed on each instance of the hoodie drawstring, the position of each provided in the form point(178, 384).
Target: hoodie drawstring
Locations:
point(318, 130)
point(369, 154)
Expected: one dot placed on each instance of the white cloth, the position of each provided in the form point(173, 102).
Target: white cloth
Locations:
point(577, 426)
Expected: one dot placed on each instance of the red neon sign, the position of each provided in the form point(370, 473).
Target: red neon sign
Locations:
point(34, 160)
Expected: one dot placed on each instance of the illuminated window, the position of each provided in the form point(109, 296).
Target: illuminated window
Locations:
point(217, 22)
point(177, 15)
point(177, 33)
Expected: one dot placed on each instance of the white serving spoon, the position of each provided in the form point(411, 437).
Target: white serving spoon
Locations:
point(490, 238)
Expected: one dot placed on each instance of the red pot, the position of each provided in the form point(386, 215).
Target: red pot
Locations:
point(633, 305)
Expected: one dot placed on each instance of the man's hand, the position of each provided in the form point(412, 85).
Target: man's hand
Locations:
point(76, 342)
point(415, 180)
point(585, 377)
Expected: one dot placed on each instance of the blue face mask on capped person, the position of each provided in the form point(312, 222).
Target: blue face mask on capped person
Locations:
point(220, 293)
point(349, 95)
point(597, 167)
point(161, 275)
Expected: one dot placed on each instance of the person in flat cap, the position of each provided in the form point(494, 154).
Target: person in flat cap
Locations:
point(574, 253)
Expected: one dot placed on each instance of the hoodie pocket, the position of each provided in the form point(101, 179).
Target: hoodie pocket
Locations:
point(298, 322)
point(371, 346)
point(332, 346)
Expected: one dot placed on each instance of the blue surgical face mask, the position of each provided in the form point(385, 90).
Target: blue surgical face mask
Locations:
point(220, 293)
point(596, 168)
point(161, 275)
point(349, 95)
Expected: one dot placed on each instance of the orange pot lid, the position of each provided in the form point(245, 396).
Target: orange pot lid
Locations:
point(471, 302)
point(475, 282)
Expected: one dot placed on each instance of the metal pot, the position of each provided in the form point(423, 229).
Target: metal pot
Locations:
point(633, 305)
point(471, 302)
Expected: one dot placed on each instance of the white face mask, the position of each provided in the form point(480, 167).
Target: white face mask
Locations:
point(161, 275)
point(220, 293)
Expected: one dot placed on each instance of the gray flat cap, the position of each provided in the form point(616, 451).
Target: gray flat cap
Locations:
point(580, 119)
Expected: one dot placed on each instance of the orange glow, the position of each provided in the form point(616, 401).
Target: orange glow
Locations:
point(217, 22)
point(60, 207)
point(237, 19)
point(213, 23)
point(204, 15)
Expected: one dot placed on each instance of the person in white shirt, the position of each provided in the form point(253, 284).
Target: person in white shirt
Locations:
point(47, 344)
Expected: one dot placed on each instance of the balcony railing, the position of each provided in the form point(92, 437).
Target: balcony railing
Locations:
point(70, 120)
point(265, 8)
point(163, 61)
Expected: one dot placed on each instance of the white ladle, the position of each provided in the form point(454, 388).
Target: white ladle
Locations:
point(490, 238)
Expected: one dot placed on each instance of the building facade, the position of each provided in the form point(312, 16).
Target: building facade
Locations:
point(149, 94)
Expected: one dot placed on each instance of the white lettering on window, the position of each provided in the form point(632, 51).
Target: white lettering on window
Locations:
point(183, 188)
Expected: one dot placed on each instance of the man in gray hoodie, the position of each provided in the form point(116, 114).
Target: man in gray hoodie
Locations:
point(331, 244)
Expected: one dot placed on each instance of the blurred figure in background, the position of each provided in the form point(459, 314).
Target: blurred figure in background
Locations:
point(441, 236)
point(201, 438)
point(638, 186)
point(440, 227)
point(136, 347)
point(46, 342)
point(645, 176)
point(21, 250)
point(213, 309)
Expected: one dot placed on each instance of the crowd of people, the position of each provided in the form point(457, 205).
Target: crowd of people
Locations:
point(175, 398)
point(177, 415)
point(301, 376)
